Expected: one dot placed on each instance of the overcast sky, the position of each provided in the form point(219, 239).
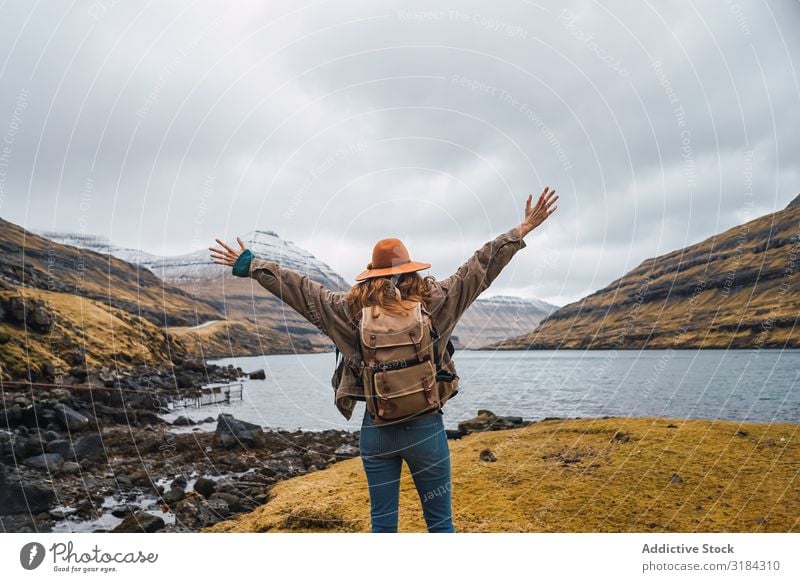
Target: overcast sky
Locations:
point(335, 124)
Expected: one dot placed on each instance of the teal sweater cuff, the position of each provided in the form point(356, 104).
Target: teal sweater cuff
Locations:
point(241, 268)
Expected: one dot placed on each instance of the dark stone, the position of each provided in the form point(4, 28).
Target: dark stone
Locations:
point(195, 512)
point(488, 420)
point(231, 432)
point(124, 510)
point(29, 445)
point(257, 375)
point(488, 456)
point(47, 461)
point(36, 415)
point(232, 501)
point(68, 417)
point(346, 451)
point(283, 465)
point(675, 478)
point(88, 447)
point(139, 522)
point(183, 421)
point(30, 313)
point(16, 497)
point(60, 446)
point(79, 373)
point(205, 486)
point(174, 495)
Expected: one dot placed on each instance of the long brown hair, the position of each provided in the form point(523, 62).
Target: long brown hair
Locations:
point(380, 291)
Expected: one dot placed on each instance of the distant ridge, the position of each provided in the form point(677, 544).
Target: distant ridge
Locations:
point(736, 289)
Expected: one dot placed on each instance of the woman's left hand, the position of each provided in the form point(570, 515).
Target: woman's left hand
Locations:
point(226, 255)
point(539, 213)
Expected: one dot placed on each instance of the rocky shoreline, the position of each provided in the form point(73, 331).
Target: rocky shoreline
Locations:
point(101, 459)
point(92, 454)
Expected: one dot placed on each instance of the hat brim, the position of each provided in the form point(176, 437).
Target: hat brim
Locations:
point(408, 267)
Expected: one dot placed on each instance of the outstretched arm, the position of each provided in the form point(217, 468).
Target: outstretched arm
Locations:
point(324, 308)
point(477, 273)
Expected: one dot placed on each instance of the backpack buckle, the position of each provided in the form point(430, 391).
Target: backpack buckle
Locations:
point(428, 392)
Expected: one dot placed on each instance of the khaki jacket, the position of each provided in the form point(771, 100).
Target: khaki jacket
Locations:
point(327, 309)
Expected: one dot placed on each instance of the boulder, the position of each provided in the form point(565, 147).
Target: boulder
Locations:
point(283, 465)
point(138, 522)
point(16, 497)
point(205, 486)
point(195, 512)
point(346, 451)
point(488, 420)
point(46, 461)
point(60, 446)
point(232, 432)
point(71, 419)
point(257, 375)
point(487, 455)
point(88, 447)
point(29, 445)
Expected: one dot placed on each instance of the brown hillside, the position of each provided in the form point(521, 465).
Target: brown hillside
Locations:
point(737, 289)
point(61, 306)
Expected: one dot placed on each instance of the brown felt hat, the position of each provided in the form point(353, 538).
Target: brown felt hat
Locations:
point(390, 257)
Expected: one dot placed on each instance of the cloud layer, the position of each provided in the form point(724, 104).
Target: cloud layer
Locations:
point(337, 124)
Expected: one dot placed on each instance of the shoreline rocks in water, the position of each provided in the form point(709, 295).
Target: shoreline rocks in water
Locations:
point(487, 420)
point(74, 459)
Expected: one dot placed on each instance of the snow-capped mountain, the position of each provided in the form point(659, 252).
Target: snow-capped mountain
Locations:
point(507, 301)
point(197, 265)
point(491, 319)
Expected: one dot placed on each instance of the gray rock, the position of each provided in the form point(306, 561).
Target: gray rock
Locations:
point(28, 498)
point(232, 432)
point(232, 501)
point(28, 445)
point(488, 420)
point(141, 521)
point(346, 451)
point(196, 512)
point(174, 495)
point(488, 456)
point(60, 446)
point(70, 468)
point(205, 486)
point(257, 375)
point(62, 512)
point(88, 447)
point(124, 510)
point(183, 421)
point(283, 465)
point(71, 419)
point(48, 461)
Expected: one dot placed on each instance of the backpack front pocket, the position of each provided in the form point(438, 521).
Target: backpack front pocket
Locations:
point(406, 391)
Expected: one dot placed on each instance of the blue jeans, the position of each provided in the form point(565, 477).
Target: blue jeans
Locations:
point(422, 442)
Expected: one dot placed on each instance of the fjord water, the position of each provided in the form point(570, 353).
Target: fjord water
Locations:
point(738, 385)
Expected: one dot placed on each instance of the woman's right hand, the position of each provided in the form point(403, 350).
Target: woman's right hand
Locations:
point(226, 255)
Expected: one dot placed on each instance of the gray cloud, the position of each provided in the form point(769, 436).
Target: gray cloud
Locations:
point(338, 124)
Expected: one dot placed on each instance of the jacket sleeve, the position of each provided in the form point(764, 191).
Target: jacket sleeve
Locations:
point(324, 308)
point(475, 275)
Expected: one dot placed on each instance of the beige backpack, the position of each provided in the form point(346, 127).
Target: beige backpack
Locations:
point(401, 366)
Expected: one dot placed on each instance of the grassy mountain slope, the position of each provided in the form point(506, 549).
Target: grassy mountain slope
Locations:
point(737, 289)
